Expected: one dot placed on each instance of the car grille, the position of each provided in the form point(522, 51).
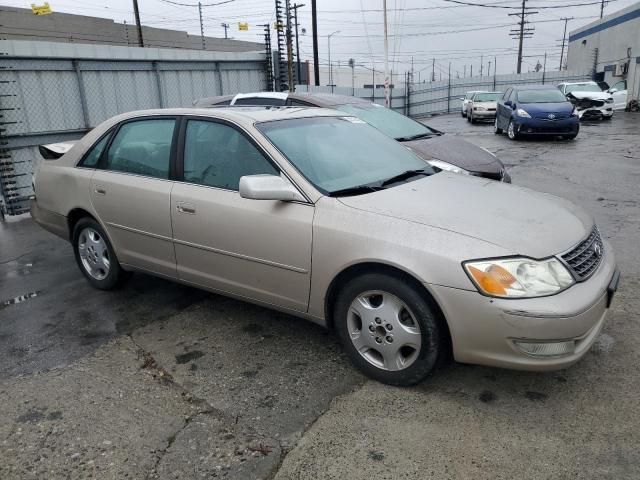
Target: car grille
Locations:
point(584, 259)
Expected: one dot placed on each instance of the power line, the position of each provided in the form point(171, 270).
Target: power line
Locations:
point(197, 4)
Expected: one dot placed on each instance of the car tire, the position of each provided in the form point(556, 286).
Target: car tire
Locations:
point(511, 131)
point(396, 338)
point(497, 130)
point(462, 114)
point(95, 256)
point(570, 137)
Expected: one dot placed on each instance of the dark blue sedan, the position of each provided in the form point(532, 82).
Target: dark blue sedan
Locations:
point(536, 110)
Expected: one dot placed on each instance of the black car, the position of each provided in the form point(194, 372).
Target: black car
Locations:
point(444, 152)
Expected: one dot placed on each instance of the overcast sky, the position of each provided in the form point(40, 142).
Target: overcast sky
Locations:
point(418, 29)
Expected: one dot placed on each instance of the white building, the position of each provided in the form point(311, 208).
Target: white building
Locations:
point(611, 47)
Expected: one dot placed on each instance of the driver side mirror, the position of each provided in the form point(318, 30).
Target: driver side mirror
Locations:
point(268, 187)
point(508, 103)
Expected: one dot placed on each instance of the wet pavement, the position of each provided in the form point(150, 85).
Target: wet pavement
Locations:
point(159, 380)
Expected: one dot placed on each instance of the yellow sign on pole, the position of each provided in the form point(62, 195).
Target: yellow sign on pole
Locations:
point(243, 26)
point(41, 9)
point(278, 26)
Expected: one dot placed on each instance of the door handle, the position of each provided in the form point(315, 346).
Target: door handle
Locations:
point(100, 190)
point(186, 208)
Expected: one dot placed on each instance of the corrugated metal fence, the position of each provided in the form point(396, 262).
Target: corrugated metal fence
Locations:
point(53, 92)
point(432, 98)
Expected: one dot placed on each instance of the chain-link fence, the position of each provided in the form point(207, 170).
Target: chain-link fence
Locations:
point(57, 92)
point(432, 98)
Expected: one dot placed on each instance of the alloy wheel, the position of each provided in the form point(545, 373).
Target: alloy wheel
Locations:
point(383, 330)
point(511, 130)
point(94, 253)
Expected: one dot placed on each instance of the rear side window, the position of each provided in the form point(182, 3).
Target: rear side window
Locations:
point(259, 101)
point(91, 158)
point(142, 147)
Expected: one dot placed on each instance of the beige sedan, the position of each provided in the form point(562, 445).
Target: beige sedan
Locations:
point(482, 106)
point(315, 213)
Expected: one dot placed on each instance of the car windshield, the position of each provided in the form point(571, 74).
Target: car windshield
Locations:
point(487, 97)
point(338, 153)
point(387, 121)
point(583, 87)
point(541, 96)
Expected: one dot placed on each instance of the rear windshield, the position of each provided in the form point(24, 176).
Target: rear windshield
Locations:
point(487, 97)
point(541, 96)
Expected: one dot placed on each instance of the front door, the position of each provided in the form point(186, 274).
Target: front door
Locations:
point(259, 249)
point(131, 192)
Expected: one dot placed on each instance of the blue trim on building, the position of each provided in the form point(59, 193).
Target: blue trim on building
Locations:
point(604, 25)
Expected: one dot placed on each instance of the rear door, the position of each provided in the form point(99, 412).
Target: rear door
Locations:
point(131, 192)
point(260, 249)
point(620, 95)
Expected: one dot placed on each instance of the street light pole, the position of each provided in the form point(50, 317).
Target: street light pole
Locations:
point(329, 45)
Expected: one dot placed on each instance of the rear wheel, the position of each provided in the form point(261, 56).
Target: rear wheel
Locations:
point(388, 329)
point(95, 255)
point(497, 130)
point(511, 131)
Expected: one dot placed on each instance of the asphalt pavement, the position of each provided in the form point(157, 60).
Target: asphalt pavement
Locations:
point(159, 380)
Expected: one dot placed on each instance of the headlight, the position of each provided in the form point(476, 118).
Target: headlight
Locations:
point(522, 113)
point(479, 108)
point(519, 277)
point(609, 100)
point(575, 112)
point(440, 165)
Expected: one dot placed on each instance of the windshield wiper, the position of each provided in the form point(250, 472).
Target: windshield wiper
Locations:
point(416, 137)
point(357, 190)
point(405, 175)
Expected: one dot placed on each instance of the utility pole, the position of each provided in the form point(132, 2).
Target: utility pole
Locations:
point(201, 24)
point(223, 25)
point(136, 12)
point(544, 68)
point(295, 19)
point(386, 57)
point(329, 48)
point(602, 8)
point(522, 32)
point(564, 37)
point(290, 76)
point(433, 70)
point(314, 26)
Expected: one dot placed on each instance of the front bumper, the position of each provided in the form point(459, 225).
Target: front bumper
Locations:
point(539, 126)
point(596, 112)
point(484, 114)
point(486, 330)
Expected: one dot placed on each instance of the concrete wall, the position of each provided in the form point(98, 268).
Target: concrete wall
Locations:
point(617, 39)
point(22, 24)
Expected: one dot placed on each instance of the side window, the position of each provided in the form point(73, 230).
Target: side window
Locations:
point(621, 85)
point(505, 97)
point(298, 103)
point(513, 96)
point(91, 158)
point(217, 155)
point(142, 147)
point(259, 101)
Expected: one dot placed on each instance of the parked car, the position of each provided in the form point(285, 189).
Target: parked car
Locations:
point(465, 101)
point(619, 93)
point(536, 110)
point(482, 106)
point(315, 213)
point(444, 152)
point(589, 99)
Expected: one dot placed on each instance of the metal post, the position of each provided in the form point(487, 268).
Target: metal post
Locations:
point(544, 67)
point(154, 65)
point(495, 71)
point(449, 91)
point(564, 37)
point(314, 26)
point(136, 13)
point(82, 92)
point(220, 86)
point(331, 66)
point(201, 24)
point(387, 101)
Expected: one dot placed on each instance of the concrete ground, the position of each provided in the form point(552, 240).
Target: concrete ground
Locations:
point(159, 380)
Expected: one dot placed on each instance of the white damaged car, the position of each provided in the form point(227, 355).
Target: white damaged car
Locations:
point(589, 99)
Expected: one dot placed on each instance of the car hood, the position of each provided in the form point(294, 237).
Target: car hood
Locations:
point(457, 152)
point(591, 95)
point(522, 221)
point(543, 109)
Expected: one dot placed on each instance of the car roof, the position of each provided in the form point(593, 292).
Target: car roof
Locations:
point(327, 99)
point(535, 87)
point(239, 114)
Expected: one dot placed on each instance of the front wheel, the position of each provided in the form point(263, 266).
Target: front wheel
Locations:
point(388, 329)
point(511, 131)
point(497, 130)
point(95, 255)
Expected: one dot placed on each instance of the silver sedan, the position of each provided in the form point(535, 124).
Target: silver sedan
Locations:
point(314, 212)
